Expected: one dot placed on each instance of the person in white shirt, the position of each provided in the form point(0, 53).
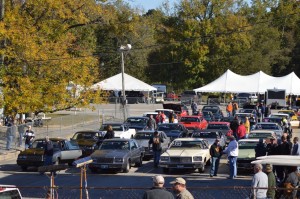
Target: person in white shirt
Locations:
point(259, 180)
point(232, 152)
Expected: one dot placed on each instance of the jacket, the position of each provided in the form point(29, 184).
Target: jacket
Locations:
point(215, 150)
point(156, 143)
point(158, 193)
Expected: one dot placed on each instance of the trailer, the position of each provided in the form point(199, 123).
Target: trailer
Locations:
point(276, 98)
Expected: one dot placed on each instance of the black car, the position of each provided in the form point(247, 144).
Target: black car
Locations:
point(208, 116)
point(138, 123)
point(88, 140)
point(173, 130)
point(117, 154)
point(217, 112)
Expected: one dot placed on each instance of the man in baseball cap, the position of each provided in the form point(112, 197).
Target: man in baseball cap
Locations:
point(158, 190)
point(179, 187)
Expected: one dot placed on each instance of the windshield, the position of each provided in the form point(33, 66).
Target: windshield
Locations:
point(187, 144)
point(143, 136)
point(115, 145)
point(212, 110)
point(205, 135)
point(40, 144)
point(218, 126)
point(137, 121)
point(115, 127)
point(169, 127)
point(260, 135)
point(267, 126)
point(190, 119)
point(85, 136)
point(247, 145)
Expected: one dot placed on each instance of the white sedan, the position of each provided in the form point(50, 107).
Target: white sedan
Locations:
point(186, 153)
point(121, 130)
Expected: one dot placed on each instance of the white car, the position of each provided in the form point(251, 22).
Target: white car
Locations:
point(121, 130)
point(10, 191)
point(186, 153)
point(167, 113)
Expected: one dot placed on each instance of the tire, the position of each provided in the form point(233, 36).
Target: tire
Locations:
point(24, 168)
point(166, 170)
point(127, 168)
point(140, 162)
point(57, 162)
point(202, 169)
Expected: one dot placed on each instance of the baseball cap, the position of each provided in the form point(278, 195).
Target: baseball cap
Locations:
point(178, 180)
point(158, 179)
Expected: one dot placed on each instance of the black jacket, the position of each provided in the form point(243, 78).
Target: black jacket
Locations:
point(109, 135)
point(48, 148)
point(215, 151)
point(234, 124)
point(156, 143)
point(158, 193)
point(260, 150)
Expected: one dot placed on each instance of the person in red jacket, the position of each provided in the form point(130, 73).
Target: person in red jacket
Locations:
point(241, 131)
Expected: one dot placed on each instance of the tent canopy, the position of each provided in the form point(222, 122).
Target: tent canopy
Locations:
point(115, 83)
point(259, 82)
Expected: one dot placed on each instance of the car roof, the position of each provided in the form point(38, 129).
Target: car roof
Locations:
point(146, 113)
point(249, 140)
point(162, 109)
point(225, 123)
point(52, 139)
point(89, 131)
point(117, 139)
point(149, 131)
point(280, 114)
point(274, 123)
point(287, 111)
point(192, 116)
point(261, 131)
point(138, 117)
point(189, 139)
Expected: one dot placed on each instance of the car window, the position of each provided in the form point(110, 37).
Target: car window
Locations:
point(267, 126)
point(115, 145)
point(259, 135)
point(86, 136)
point(218, 126)
point(142, 136)
point(169, 127)
point(247, 145)
point(115, 127)
point(190, 119)
point(205, 135)
point(72, 145)
point(11, 194)
point(187, 144)
point(137, 121)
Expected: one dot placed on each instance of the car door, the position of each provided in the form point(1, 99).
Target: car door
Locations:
point(166, 142)
point(69, 150)
point(134, 151)
point(206, 149)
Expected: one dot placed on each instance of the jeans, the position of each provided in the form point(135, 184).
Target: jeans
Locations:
point(8, 142)
point(214, 166)
point(20, 139)
point(48, 160)
point(232, 166)
point(28, 145)
point(228, 114)
point(156, 157)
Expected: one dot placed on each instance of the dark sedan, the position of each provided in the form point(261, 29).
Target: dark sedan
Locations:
point(88, 140)
point(138, 123)
point(117, 154)
point(173, 130)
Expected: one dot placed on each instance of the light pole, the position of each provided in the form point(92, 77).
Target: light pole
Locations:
point(122, 50)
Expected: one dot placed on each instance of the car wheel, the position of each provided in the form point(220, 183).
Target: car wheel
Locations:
point(128, 166)
point(24, 168)
point(202, 169)
point(166, 170)
point(140, 162)
point(57, 162)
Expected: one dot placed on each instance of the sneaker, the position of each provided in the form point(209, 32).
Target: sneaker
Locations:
point(210, 176)
point(216, 175)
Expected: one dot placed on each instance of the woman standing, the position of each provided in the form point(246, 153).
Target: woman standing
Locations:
point(110, 133)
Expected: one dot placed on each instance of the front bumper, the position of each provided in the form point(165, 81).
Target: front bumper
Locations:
point(106, 166)
point(181, 165)
point(28, 163)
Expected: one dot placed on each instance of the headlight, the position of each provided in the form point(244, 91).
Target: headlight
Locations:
point(197, 158)
point(119, 160)
point(165, 159)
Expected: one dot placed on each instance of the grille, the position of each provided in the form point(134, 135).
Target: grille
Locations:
point(181, 159)
point(35, 158)
point(105, 160)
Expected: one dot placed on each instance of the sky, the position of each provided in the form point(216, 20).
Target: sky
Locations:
point(148, 4)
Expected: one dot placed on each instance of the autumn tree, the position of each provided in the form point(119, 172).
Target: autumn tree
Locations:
point(49, 44)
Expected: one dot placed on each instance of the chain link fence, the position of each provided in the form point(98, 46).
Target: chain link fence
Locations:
point(204, 192)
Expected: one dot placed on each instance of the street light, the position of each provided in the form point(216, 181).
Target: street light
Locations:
point(122, 50)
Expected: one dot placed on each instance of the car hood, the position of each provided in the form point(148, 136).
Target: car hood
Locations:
point(174, 107)
point(109, 153)
point(143, 143)
point(86, 142)
point(183, 152)
point(246, 153)
point(33, 152)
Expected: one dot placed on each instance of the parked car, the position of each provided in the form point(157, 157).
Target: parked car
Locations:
point(208, 116)
point(186, 153)
point(252, 97)
point(167, 112)
point(270, 126)
point(117, 154)
point(65, 151)
point(143, 137)
point(277, 120)
point(292, 114)
point(179, 109)
point(121, 130)
point(264, 134)
point(10, 192)
point(252, 111)
point(210, 136)
point(147, 114)
point(242, 116)
point(193, 122)
point(188, 96)
point(138, 123)
point(173, 130)
point(223, 127)
point(213, 99)
point(246, 153)
point(88, 140)
point(216, 110)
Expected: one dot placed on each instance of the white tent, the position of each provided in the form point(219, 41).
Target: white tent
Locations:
point(115, 83)
point(256, 83)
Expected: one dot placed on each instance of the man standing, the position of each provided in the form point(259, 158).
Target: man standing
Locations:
point(151, 123)
point(259, 183)
point(29, 136)
point(194, 108)
point(156, 141)
point(260, 148)
point(48, 151)
point(241, 131)
point(21, 130)
point(179, 187)
point(232, 151)
point(229, 109)
point(158, 190)
point(271, 182)
point(10, 134)
point(272, 147)
point(215, 153)
point(295, 149)
point(234, 124)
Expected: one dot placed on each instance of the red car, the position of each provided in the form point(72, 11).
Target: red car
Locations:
point(178, 108)
point(193, 122)
point(223, 127)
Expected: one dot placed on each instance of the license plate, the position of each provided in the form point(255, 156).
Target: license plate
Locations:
point(180, 166)
point(104, 166)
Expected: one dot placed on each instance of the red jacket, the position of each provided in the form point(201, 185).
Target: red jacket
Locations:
point(241, 131)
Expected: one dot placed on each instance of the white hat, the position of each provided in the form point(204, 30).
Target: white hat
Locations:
point(158, 179)
point(179, 181)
